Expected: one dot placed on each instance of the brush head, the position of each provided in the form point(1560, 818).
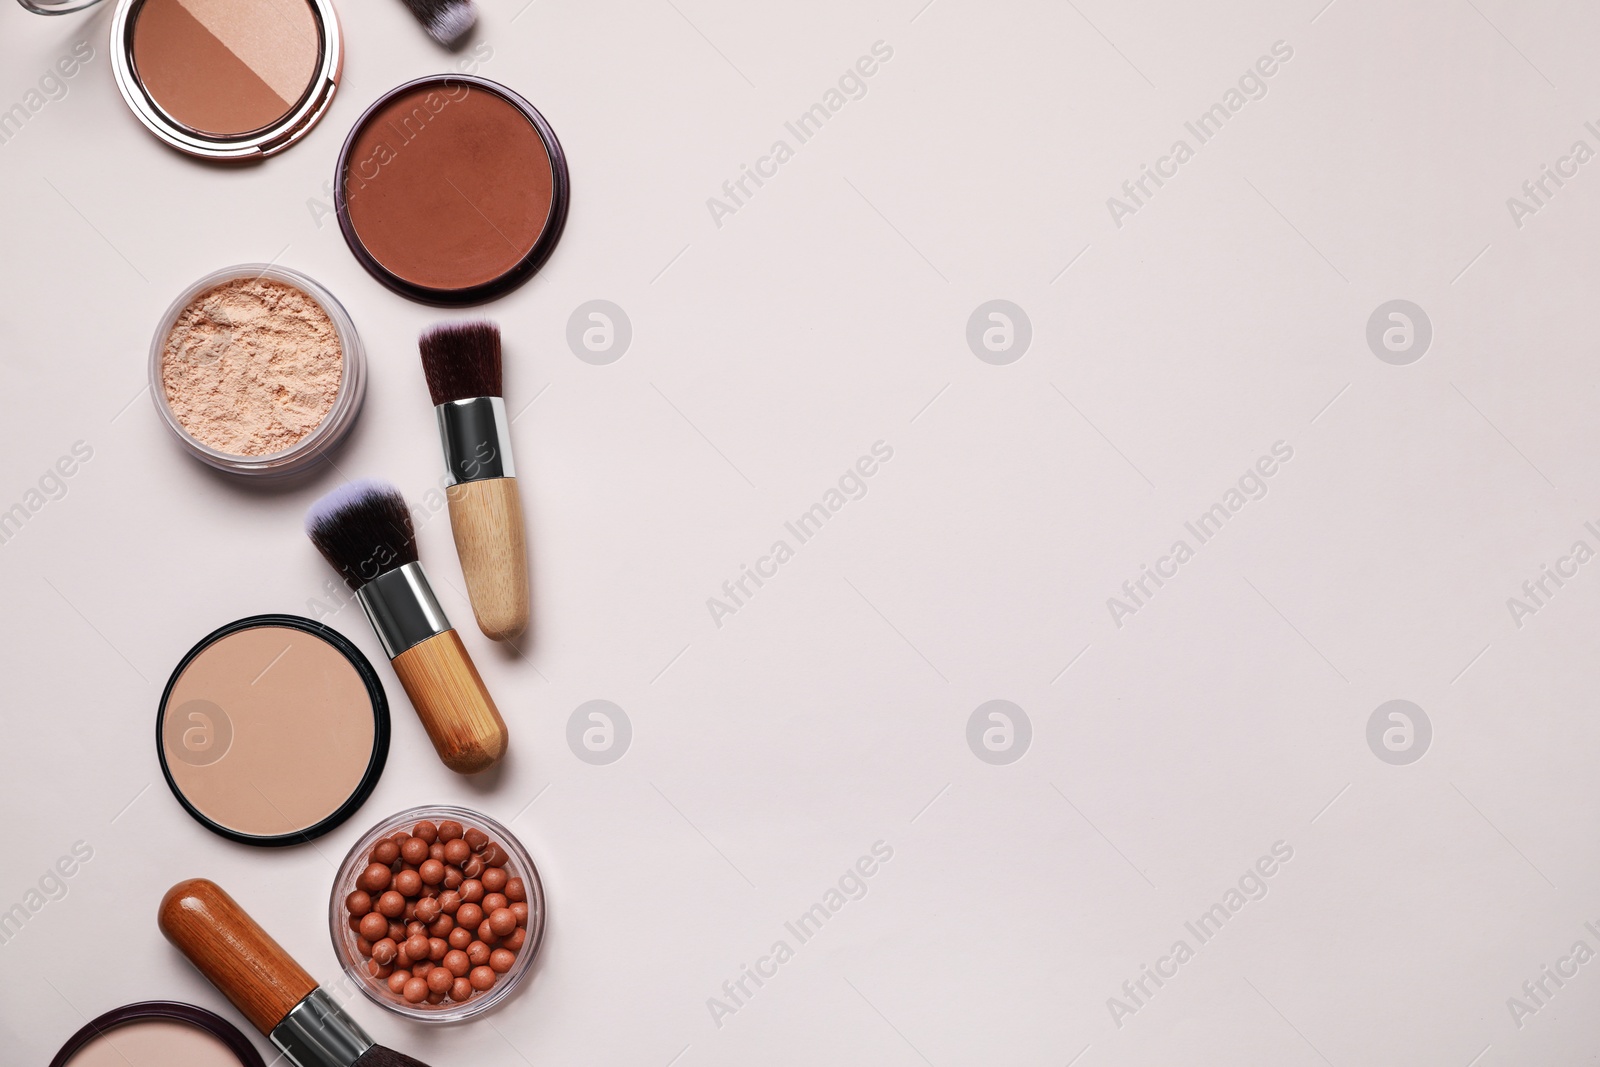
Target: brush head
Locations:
point(461, 361)
point(447, 21)
point(363, 529)
point(378, 1056)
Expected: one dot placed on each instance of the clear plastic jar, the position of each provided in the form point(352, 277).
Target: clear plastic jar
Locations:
point(335, 425)
point(519, 865)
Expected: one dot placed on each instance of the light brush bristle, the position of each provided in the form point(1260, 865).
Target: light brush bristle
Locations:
point(447, 21)
point(363, 529)
point(462, 360)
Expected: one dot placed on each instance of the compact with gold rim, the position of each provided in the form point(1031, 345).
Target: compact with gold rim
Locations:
point(227, 79)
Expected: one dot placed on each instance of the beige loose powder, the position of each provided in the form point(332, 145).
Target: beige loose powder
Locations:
point(252, 367)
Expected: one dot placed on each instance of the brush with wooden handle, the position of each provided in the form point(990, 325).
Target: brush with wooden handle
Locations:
point(463, 367)
point(264, 982)
point(365, 531)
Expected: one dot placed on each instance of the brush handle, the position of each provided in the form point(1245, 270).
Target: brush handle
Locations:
point(462, 722)
point(237, 956)
point(486, 517)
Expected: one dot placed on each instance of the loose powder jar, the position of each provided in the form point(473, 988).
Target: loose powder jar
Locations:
point(257, 370)
point(272, 730)
point(227, 79)
point(451, 190)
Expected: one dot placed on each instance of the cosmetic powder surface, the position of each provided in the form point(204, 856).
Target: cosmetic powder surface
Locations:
point(268, 731)
point(448, 186)
point(225, 67)
point(155, 1043)
point(252, 367)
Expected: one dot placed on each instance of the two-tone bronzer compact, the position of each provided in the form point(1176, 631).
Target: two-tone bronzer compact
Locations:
point(223, 79)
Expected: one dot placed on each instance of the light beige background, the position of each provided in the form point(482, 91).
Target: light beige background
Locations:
point(829, 312)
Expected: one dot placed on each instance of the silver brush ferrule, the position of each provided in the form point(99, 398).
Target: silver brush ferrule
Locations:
point(318, 1033)
point(402, 608)
point(477, 439)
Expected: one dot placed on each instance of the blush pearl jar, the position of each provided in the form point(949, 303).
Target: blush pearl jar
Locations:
point(518, 864)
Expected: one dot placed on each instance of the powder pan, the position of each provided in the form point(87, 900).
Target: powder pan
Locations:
point(272, 730)
point(335, 425)
point(159, 1032)
point(198, 72)
point(452, 190)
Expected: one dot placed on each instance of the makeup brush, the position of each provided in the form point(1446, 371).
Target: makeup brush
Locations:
point(462, 365)
point(264, 982)
point(365, 531)
point(447, 21)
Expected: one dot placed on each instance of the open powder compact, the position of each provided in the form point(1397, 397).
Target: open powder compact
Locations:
point(227, 79)
point(158, 1033)
point(451, 190)
point(272, 730)
point(222, 79)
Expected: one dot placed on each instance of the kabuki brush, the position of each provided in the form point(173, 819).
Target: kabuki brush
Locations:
point(462, 364)
point(265, 983)
point(364, 530)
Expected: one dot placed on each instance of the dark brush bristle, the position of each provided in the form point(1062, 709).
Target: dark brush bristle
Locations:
point(363, 529)
point(447, 21)
point(378, 1056)
point(461, 361)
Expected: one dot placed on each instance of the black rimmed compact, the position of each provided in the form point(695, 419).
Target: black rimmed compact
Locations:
point(273, 730)
point(158, 1033)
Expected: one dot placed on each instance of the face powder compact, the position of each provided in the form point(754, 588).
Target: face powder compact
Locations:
point(231, 80)
point(451, 190)
point(257, 370)
point(272, 730)
point(227, 79)
point(158, 1033)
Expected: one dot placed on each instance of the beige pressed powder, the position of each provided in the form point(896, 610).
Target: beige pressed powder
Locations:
point(158, 1033)
point(252, 366)
point(155, 1043)
point(272, 730)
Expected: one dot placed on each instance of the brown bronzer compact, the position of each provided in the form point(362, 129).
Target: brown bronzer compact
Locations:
point(452, 190)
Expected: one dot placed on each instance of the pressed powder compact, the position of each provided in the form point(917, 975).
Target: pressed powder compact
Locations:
point(257, 370)
point(272, 730)
point(227, 79)
point(451, 190)
point(222, 79)
point(158, 1033)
